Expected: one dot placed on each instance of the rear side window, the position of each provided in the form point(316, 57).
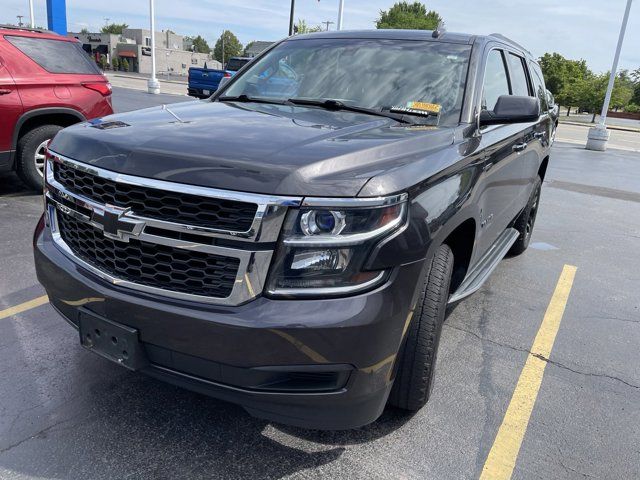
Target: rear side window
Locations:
point(55, 56)
point(495, 80)
point(538, 83)
point(236, 64)
point(519, 85)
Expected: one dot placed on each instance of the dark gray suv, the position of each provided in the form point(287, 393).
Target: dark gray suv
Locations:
point(291, 243)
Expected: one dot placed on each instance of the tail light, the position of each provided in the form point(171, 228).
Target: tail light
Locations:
point(227, 75)
point(102, 88)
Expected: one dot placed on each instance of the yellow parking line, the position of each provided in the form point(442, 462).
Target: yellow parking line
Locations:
point(23, 307)
point(504, 452)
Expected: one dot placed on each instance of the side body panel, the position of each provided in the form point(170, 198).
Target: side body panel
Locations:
point(39, 88)
point(204, 79)
point(11, 108)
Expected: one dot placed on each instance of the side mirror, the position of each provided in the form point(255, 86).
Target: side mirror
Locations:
point(511, 109)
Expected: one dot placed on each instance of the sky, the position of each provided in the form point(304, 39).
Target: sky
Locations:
point(578, 29)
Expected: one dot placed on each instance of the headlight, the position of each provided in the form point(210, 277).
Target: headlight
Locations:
point(326, 243)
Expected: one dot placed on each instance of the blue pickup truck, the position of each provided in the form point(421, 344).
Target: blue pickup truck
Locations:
point(204, 81)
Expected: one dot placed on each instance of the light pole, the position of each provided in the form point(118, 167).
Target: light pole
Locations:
point(33, 22)
point(153, 86)
point(293, 7)
point(599, 135)
point(327, 23)
point(340, 14)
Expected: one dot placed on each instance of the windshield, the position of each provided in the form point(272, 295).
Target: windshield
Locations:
point(372, 73)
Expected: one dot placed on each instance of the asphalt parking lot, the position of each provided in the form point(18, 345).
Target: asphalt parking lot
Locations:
point(68, 414)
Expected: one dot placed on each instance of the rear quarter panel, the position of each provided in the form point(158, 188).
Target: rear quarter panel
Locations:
point(39, 88)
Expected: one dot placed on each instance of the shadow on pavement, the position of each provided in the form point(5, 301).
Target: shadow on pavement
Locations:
point(390, 420)
point(10, 184)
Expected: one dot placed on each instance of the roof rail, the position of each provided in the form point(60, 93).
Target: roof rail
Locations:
point(29, 29)
point(508, 40)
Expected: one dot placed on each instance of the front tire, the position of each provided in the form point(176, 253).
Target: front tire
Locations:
point(30, 161)
point(417, 357)
point(526, 221)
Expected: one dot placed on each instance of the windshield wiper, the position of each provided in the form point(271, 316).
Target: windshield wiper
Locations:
point(246, 98)
point(331, 104)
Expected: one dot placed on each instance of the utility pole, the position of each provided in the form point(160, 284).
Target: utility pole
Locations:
point(19, 17)
point(599, 135)
point(223, 49)
point(33, 22)
point(340, 14)
point(293, 7)
point(327, 23)
point(153, 86)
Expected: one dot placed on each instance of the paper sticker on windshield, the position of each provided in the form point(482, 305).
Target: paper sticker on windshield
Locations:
point(419, 108)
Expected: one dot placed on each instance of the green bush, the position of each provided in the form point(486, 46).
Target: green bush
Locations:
point(632, 108)
point(115, 64)
point(125, 64)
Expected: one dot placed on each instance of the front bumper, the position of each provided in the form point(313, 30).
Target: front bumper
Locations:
point(231, 353)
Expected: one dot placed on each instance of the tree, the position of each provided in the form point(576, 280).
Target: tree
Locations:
point(84, 30)
point(114, 28)
point(636, 94)
point(561, 77)
point(302, 27)
point(125, 64)
point(407, 15)
point(103, 62)
point(200, 44)
point(622, 93)
point(115, 64)
point(232, 47)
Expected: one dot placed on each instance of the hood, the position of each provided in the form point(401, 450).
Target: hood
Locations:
point(256, 148)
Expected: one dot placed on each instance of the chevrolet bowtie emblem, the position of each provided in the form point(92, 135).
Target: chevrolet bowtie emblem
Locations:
point(114, 223)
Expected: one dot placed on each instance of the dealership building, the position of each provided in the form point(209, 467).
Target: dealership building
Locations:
point(134, 45)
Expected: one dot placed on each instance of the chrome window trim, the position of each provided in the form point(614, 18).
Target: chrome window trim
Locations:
point(266, 223)
point(249, 282)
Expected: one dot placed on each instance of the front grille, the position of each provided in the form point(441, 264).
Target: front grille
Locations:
point(158, 204)
point(160, 266)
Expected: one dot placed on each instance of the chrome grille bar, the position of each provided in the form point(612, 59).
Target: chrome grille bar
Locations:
point(253, 263)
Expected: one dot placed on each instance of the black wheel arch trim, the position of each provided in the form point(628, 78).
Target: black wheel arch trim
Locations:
point(40, 112)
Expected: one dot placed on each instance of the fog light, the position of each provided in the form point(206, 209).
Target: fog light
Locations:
point(321, 260)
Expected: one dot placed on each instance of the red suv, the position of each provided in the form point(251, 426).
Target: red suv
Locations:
point(47, 82)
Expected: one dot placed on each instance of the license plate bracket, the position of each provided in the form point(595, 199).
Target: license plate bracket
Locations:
point(113, 341)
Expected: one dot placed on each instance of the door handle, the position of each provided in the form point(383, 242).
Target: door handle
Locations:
point(519, 147)
point(4, 91)
point(538, 135)
point(487, 166)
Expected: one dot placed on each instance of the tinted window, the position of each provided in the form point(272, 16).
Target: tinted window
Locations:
point(235, 64)
point(372, 73)
point(538, 84)
point(56, 56)
point(495, 80)
point(519, 84)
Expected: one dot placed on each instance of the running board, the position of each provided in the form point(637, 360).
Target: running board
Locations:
point(487, 264)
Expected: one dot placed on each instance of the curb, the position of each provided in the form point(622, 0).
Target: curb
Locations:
point(609, 127)
point(146, 78)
